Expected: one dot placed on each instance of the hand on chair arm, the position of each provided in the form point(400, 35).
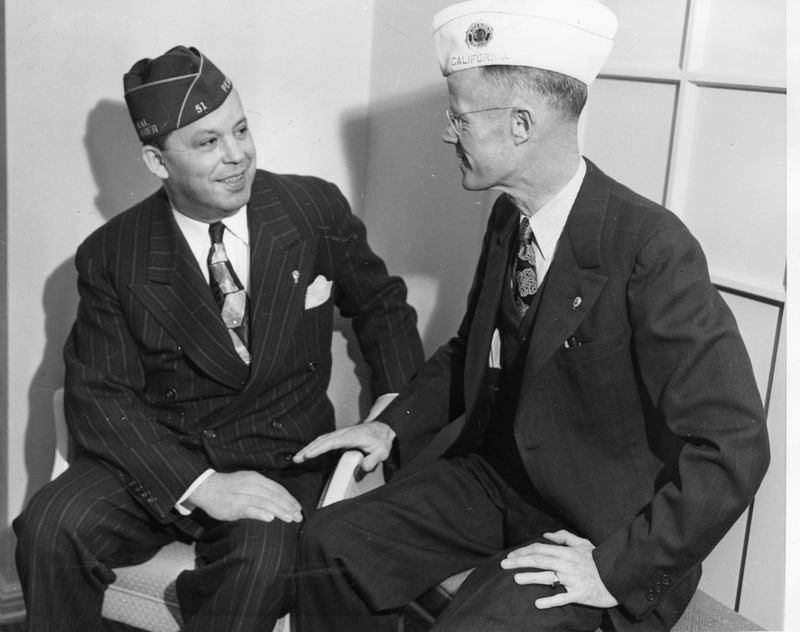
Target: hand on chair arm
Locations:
point(374, 439)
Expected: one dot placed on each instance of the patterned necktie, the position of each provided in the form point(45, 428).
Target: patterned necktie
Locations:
point(231, 297)
point(525, 276)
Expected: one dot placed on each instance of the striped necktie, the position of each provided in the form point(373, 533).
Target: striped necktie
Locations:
point(231, 297)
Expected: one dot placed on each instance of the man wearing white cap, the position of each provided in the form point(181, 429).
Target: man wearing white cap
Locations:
point(199, 363)
point(613, 430)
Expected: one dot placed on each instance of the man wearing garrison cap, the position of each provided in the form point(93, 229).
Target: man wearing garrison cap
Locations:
point(198, 365)
point(613, 429)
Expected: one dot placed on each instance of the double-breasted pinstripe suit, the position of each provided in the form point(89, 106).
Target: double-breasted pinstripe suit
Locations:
point(156, 395)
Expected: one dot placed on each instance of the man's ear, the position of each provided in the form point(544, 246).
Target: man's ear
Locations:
point(523, 124)
point(155, 161)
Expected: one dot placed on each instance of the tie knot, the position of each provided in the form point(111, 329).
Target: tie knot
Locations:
point(215, 230)
point(525, 231)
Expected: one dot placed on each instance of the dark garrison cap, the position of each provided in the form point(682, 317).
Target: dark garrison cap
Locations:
point(172, 91)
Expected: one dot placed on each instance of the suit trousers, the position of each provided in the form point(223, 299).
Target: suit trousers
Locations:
point(78, 528)
point(363, 558)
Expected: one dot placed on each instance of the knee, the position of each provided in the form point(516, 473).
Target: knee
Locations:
point(266, 550)
point(45, 521)
point(321, 536)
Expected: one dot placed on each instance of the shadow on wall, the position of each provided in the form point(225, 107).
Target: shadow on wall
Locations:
point(122, 180)
point(420, 220)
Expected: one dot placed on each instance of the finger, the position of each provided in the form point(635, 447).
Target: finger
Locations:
point(539, 556)
point(275, 504)
point(254, 513)
point(525, 550)
point(540, 578)
point(565, 538)
point(326, 443)
point(560, 599)
point(523, 561)
point(317, 441)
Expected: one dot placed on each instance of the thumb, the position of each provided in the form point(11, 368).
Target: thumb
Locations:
point(370, 462)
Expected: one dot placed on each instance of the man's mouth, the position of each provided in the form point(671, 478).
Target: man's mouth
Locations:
point(235, 179)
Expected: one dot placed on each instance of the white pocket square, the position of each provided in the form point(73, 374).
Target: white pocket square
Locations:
point(318, 292)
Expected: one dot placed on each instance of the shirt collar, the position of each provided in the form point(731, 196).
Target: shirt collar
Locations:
point(236, 223)
point(548, 222)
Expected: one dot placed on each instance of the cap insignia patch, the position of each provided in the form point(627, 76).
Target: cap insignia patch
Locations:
point(479, 35)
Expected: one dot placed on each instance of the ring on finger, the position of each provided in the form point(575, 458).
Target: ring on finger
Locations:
point(556, 580)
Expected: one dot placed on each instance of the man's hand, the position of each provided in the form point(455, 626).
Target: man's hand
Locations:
point(373, 438)
point(574, 564)
point(240, 495)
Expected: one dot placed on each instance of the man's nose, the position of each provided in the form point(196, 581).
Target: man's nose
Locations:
point(233, 151)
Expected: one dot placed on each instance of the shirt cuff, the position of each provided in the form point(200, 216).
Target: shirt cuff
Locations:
point(182, 506)
point(377, 408)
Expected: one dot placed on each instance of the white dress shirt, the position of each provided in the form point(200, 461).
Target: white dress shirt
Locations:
point(548, 222)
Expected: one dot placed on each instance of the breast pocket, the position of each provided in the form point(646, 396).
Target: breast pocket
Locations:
point(583, 386)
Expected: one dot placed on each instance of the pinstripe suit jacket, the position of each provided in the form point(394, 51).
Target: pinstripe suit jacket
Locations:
point(154, 387)
point(649, 438)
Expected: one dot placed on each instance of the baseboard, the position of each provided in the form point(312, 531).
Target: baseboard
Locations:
point(12, 606)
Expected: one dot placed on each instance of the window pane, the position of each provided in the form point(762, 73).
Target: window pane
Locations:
point(742, 37)
point(650, 34)
point(628, 128)
point(736, 196)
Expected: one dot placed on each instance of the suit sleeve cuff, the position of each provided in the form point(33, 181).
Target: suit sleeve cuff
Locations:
point(183, 506)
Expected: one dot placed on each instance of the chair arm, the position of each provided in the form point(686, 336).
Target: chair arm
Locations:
point(61, 461)
point(349, 480)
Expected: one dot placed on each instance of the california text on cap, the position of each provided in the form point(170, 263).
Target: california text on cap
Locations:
point(172, 91)
point(572, 37)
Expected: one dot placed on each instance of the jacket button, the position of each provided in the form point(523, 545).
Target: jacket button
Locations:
point(277, 425)
point(666, 580)
point(170, 393)
point(152, 500)
point(651, 596)
point(209, 434)
point(288, 456)
point(658, 588)
point(312, 366)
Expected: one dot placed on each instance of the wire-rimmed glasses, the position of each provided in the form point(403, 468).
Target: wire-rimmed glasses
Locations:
point(456, 120)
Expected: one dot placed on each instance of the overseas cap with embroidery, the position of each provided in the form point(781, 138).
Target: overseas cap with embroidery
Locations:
point(172, 91)
point(572, 37)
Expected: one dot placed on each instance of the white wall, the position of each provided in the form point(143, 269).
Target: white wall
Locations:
point(302, 69)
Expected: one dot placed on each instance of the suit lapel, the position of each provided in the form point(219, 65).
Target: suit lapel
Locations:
point(573, 283)
point(281, 263)
point(485, 319)
point(178, 296)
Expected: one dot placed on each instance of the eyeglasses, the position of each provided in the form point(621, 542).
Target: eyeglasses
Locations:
point(456, 120)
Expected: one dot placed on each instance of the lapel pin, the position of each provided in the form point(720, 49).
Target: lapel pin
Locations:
point(296, 276)
point(576, 302)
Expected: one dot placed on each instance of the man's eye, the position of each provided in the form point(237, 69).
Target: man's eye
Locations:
point(209, 142)
point(242, 131)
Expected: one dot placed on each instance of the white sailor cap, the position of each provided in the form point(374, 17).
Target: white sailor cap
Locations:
point(573, 37)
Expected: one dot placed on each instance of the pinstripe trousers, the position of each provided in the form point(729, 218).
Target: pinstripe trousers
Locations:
point(78, 528)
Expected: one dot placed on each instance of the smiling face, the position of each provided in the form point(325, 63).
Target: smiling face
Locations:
point(485, 145)
point(208, 166)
